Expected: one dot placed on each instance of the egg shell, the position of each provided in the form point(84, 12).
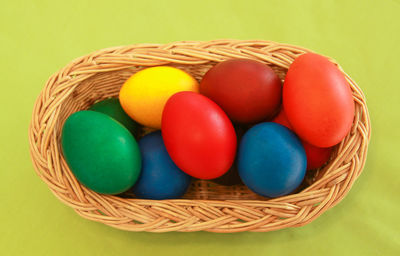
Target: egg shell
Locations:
point(281, 118)
point(112, 108)
point(145, 93)
point(159, 178)
point(198, 135)
point(318, 100)
point(101, 153)
point(316, 156)
point(271, 160)
point(247, 90)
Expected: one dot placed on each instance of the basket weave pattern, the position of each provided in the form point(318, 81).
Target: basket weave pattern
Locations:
point(206, 206)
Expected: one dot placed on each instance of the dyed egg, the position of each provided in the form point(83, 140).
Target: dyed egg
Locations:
point(198, 135)
point(318, 100)
point(271, 160)
point(316, 156)
point(144, 94)
point(159, 178)
point(247, 90)
point(281, 118)
point(112, 108)
point(101, 153)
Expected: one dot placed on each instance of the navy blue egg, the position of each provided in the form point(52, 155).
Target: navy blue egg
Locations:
point(160, 178)
point(271, 160)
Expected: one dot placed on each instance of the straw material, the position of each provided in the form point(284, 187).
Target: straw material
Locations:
point(206, 206)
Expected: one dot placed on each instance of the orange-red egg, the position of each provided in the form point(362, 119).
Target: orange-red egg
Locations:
point(318, 100)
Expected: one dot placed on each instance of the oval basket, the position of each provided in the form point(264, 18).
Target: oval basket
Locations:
point(206, 206)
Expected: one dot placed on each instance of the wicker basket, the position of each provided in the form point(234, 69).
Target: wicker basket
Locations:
point(206, 206)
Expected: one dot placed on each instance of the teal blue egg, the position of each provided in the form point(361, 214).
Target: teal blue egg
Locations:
point(271, 160)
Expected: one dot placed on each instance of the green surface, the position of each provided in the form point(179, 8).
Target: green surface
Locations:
point(38, 37)
point(112, 108)
point(101, 153)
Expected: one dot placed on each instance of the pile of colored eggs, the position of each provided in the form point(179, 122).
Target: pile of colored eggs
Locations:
point(239, 124)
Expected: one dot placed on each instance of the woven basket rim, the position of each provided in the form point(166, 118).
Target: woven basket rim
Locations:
point(225, 216)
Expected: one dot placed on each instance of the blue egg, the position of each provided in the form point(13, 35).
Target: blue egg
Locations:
point(271, 160)
point(160, 178)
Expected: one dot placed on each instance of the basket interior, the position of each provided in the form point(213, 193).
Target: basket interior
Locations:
point(107, 84)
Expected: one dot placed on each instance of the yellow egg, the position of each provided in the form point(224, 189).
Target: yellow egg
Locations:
point(145, 93)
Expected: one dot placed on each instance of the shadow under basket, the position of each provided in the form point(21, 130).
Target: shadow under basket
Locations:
point(206, 206)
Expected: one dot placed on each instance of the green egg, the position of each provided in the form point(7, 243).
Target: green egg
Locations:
point(102, 154)
point(112, 108)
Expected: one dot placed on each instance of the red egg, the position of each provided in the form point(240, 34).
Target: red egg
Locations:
point(247, 90)
point(318, 100)
point(198, 135)
point(316, 156)
point(282, 119)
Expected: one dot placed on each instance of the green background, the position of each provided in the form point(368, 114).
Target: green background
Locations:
point(39, 37)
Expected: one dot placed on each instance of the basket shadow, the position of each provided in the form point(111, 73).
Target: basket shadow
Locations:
point(227, 241)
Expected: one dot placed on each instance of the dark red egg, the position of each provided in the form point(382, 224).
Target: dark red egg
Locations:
point(247, 90)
